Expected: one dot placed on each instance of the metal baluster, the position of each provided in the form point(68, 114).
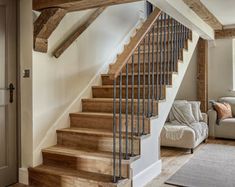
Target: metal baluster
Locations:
point(172, 45)
point(143, 111)
point(132, 104)
point(127, 157)
point(165, 51)
point(160, 74)
point(152, 107)
point(175, 45)
point(114, 131)
point(178, 39)
point(120, 125)
point(168, 51)
point(182, 37)
point(138, 102)
point(157, 62)
point(148, 113)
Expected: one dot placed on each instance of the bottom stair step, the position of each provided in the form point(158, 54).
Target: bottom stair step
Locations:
point(84, 160)
point(47, 176)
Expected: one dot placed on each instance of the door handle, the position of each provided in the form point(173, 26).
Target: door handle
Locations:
point(11, 90)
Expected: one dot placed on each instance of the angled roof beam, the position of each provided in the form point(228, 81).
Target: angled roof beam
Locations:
point(199, 8)
point(74, 5)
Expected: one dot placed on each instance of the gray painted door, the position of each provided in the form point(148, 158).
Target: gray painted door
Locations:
point(8, 145)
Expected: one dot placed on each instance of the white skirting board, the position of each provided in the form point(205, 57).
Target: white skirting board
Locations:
point(23, 176)
point(147, 175)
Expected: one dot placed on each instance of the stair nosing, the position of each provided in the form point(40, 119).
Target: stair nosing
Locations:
point(85, 154)
point(73, 173)
point(93, 132)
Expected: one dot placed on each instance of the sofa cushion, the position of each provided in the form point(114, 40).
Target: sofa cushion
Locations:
point(231, 101)
point(187, 139)
point(228, 122)
point(223, 110)
point(182, 113)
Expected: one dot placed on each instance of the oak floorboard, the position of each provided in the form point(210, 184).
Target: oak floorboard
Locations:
point(174, 158)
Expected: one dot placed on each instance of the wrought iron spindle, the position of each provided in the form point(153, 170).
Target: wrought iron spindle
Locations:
point(168, 49)
point(165, 51)
point(120, 125)
point(138, 95)
point(143, 109)
point(114, 131)
point(182, 36)
point(149, 114)
point(127, 74)
point(161, 43)
point(157, 61)
point(153, 40)
point(172, 46)
point(132, 103)
point(178, 40)
point(175, 45)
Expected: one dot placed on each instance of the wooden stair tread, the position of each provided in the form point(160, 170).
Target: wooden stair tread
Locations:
point(123, 86)
point(108, 100)
point(141, 74)
point(96, 132)
point(81, 175)
point(84, 153)
point(103, 114)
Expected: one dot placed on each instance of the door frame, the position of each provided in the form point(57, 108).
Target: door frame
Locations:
point(18, 104)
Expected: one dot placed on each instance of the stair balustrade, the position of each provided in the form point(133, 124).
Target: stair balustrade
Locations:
point(140, 76)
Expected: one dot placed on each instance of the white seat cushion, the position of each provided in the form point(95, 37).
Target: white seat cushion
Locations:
point(188, 139)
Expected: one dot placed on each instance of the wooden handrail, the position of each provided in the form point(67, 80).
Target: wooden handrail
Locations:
point(68, 41)
point(122, 59)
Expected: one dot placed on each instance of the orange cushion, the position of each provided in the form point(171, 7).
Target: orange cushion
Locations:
point(223, 110)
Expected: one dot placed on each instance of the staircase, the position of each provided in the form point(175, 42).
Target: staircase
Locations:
point(104, 140)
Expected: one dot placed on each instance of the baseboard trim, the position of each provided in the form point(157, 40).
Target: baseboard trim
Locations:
point(23, 176)
point(147, 175)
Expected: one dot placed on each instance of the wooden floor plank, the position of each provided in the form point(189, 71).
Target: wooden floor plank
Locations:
point(174, 158)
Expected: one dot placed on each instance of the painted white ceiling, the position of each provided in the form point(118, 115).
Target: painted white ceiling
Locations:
point(223, 10)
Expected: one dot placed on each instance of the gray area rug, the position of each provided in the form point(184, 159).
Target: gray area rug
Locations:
point(212, 166)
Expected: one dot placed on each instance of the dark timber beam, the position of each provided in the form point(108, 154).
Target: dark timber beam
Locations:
point(44, 26)
point(225, 33)
point(202, 74)
point(198, 7)
point(73, 5)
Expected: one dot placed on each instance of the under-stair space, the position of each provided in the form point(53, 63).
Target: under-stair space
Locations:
point(104, 144)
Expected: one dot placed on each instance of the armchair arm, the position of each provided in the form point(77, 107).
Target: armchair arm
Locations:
point(212, 115)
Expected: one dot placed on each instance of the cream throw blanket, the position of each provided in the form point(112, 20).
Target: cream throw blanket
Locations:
point(182, 116)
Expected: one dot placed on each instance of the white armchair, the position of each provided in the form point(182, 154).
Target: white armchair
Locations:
point(224, 128)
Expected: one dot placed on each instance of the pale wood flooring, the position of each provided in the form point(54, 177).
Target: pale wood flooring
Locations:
point(173, 159)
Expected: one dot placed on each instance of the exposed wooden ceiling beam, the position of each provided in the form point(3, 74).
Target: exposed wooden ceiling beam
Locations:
point(204, 13)
point(225, 33)
point(73, 5)
point(44, 26)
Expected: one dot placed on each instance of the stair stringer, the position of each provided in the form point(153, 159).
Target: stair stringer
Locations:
point(149, 164)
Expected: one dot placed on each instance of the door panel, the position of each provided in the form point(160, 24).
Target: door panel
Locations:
point(8, 133)
point(2, 87)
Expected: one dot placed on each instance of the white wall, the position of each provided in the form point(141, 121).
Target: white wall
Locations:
point(220, 69)
point(58, 84)
point(26, 107)
point(220, 72)
point(188, 87)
